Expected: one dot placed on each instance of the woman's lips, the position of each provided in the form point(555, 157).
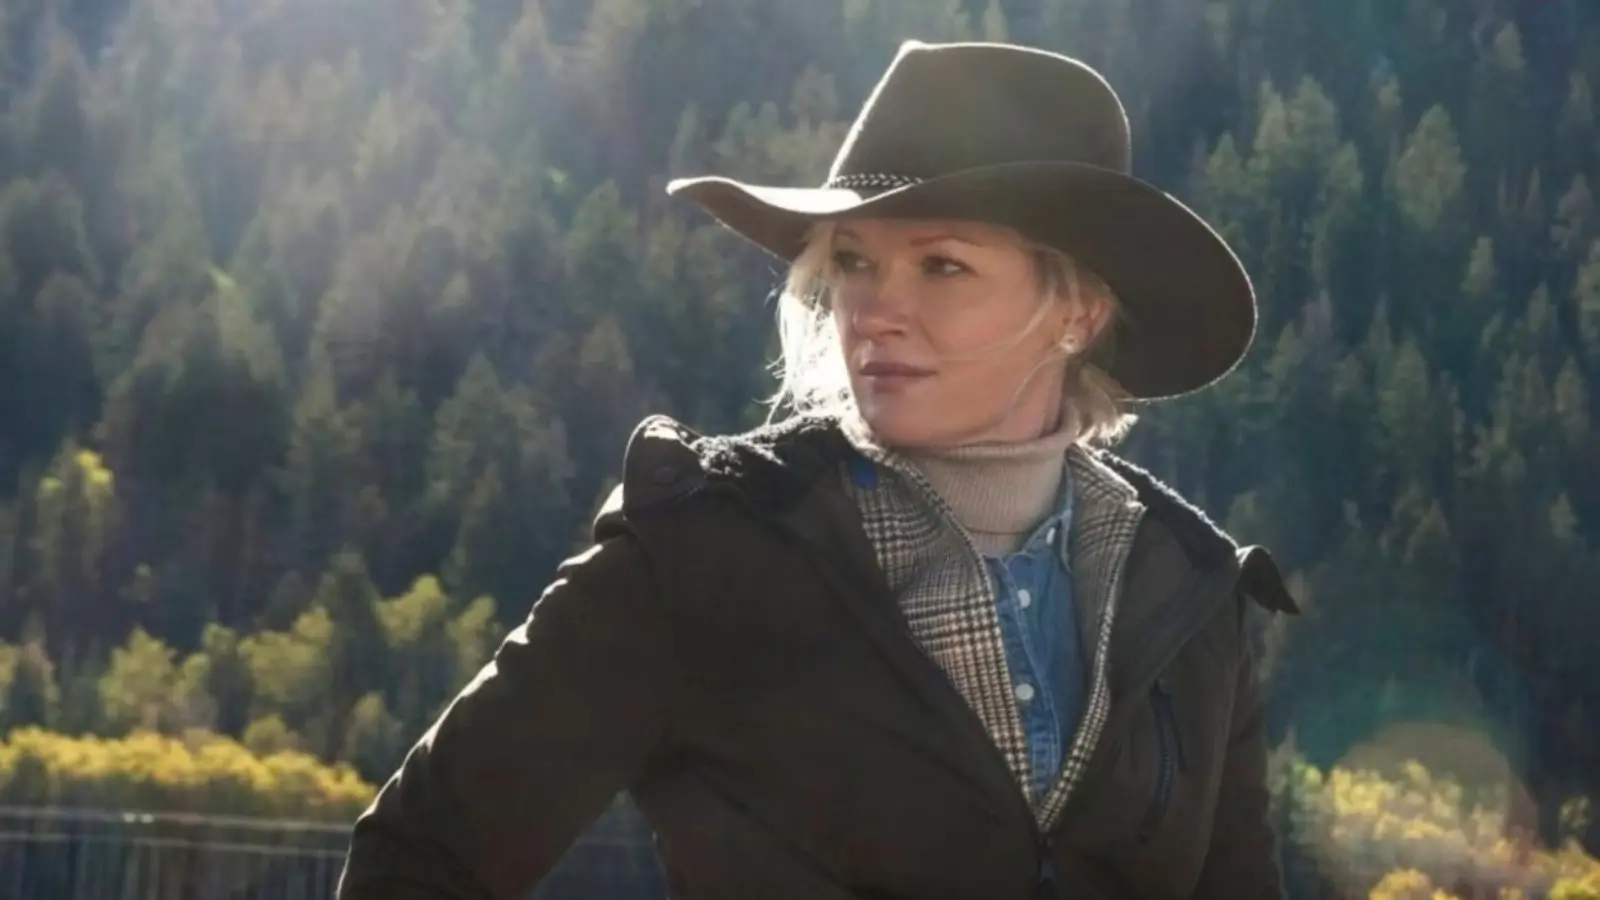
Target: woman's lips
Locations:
point(892, 375)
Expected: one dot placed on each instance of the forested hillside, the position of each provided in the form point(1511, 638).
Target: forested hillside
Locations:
point(322, 326)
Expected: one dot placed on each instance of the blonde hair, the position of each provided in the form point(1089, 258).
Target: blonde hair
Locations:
point(813, 377)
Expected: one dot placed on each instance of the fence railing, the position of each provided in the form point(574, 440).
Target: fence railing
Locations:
point(49, 853)
point(85, 854)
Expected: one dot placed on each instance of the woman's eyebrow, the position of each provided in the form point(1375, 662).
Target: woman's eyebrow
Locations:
point(938, 236)
point(923, 239)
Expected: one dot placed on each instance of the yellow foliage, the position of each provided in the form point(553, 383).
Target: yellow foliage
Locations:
point(199, 772)
point(1404, 837)
point(1586, 887)
point(137, 688)
point(1575, 816)
point(1403, 884)
point(419, 611)
point(289, 668)
point(93, 469)
point(1577, 875)
point(269, 734)
point(10, 655)
point(474, 634)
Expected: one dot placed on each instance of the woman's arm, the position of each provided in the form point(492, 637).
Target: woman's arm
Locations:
point(532, 751)
point(1242, 862)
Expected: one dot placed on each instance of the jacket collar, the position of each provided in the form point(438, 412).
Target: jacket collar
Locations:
point(774, 466)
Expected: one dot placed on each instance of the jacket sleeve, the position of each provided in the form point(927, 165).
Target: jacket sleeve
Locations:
point(1242, 862)
point(528, 755)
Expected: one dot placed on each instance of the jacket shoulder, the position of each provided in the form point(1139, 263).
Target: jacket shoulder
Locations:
point(667, 461)
point(1205, 541)
point(659, 463)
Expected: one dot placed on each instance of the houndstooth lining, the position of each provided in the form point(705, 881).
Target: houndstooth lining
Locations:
point(949, 602)
point(1101, 539)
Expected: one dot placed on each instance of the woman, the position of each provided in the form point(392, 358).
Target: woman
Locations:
point(919, 639)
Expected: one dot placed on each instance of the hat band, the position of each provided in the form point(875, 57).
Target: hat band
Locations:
point(871, 180)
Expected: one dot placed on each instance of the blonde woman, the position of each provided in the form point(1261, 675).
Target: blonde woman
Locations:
point(920, 638)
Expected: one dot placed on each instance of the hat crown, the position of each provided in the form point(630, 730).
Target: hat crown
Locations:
point(944, 108)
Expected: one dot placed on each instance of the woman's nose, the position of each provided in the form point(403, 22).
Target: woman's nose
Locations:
point(883, 307)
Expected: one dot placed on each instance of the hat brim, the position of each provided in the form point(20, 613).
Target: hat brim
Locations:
point(1189, 311)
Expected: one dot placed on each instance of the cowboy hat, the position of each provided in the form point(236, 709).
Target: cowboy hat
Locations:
point(1037, 142)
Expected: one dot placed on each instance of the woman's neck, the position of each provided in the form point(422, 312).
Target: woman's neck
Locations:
point(998, 491)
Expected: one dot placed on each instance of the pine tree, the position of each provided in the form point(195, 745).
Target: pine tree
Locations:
point(1586, 298)
point(32, 696)
point(1573, 229)
point(1575, 130)
point(1501, 112)
point(324, 473)
point(1428, 184)
point(356, 655)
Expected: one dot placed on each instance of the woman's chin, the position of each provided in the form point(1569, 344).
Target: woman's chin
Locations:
point(896, 422)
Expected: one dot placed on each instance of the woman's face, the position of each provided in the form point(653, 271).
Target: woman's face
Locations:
point(934, 319)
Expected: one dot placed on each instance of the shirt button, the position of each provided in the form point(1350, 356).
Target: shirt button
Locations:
point(1024, 692)
point(1024, 598)
point(1050, 536)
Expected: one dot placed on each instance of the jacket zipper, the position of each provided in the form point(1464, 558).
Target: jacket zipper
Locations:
point(1164, 691)
point(1045, 864)
point(1170, 745)
point(1045, 873)
point(1045, 879)
point(1155, 666)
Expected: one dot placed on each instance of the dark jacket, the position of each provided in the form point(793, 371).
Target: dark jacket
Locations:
point(728, 651)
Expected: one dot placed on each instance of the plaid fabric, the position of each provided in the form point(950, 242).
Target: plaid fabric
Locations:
point(948, 599)
point(1102, 536)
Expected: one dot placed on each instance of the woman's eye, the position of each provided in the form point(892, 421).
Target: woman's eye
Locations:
point(848, 261)
point(943, 265)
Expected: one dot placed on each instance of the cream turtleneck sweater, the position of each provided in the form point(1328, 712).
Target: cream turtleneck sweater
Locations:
point(998, 492)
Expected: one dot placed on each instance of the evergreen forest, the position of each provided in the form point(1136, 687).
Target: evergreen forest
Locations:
point(323, 326)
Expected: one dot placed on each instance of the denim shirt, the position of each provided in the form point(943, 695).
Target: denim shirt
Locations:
point(1039, 627)
point(1034, 596)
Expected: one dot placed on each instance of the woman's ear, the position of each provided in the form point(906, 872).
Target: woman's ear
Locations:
point(1092, 317)
point(1082, 320)
point(1070, 342)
